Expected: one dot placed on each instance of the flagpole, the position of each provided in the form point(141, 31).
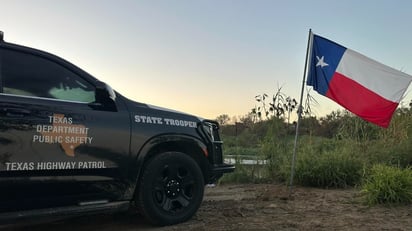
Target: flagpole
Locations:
point(308, 53)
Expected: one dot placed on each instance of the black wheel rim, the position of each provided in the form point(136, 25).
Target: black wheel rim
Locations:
point(174, 188)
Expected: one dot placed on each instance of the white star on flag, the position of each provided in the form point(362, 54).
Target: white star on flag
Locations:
point(321, 62)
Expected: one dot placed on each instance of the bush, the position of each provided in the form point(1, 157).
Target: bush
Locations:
point(329, 163)
point(278, 153)
point(241, 151)
point(387, 184)
point(329, 171)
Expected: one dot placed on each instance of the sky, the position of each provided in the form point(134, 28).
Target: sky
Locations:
point(207, 58)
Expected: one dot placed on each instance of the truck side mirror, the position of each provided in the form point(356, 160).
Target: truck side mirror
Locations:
point(104, 92)
point(105, 96)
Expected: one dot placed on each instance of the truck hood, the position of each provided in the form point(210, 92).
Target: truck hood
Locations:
point(162, 117)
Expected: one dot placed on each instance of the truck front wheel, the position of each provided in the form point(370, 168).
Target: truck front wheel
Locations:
point(171, 188)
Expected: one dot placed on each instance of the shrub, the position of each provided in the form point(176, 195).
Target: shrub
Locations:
point(278, 153)
point(251, 152)
point(328, 163)
point(387, 184)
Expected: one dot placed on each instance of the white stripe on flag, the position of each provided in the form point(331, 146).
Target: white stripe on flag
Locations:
point(379, 78)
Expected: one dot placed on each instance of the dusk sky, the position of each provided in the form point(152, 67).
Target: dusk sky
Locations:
point(212, 57)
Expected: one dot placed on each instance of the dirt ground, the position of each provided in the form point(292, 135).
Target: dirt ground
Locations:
point(257, 207)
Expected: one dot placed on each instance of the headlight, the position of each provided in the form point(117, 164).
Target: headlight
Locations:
point(211, 128)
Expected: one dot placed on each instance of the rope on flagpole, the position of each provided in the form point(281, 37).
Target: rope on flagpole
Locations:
point(300, 108)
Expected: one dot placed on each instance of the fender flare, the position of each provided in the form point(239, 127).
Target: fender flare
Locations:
point(160, 143)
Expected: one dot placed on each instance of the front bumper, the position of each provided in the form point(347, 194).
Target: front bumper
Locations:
point(218, 170)
point(223, 168)
point(210, 130)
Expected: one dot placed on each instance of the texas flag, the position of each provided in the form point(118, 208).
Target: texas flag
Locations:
point(363, 86)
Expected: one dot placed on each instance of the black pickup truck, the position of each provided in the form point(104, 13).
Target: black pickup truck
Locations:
point(71, 145)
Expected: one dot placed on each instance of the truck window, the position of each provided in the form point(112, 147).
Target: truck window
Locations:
point(29, 75)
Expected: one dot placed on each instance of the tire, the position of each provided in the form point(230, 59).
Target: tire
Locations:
point(171, 188)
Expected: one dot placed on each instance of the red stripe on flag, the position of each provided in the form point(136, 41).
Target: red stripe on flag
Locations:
point(360, 100)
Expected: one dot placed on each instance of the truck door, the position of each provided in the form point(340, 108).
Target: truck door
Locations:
point(57, 145)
